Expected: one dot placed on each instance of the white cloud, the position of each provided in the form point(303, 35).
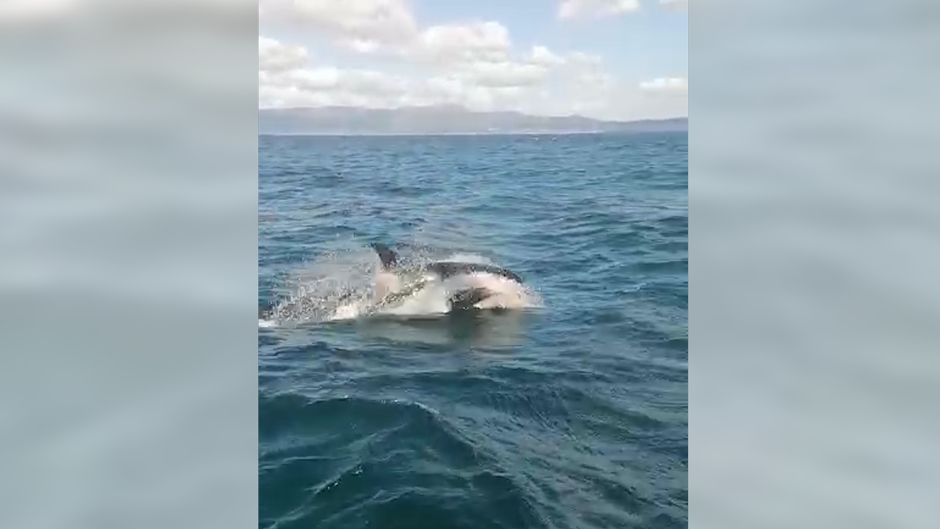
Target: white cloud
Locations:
point(386, 22)
point(469, 63)
point(503, 74)
point(570, 9)
point(274, 56)
point(545, 57)
point(579, 8)
point(363, 45)
point(387, 27)
point(477, 41)
point(525, 87)
point(327, 85)
point(330, 79)
point(666, 86)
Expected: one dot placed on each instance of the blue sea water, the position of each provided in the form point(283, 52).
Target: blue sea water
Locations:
point(568, 415)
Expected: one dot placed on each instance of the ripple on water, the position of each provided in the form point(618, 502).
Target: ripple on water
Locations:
point(388, 463)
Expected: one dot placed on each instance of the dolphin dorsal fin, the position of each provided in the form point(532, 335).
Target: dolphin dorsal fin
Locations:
point(388, 256)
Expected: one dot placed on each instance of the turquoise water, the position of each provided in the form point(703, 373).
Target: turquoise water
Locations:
point(572, 414)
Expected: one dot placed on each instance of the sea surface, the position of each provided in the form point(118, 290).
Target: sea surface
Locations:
point(569, 413)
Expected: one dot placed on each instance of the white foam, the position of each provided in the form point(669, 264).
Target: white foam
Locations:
point(349, 311)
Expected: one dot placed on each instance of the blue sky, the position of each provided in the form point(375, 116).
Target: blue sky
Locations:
point(604, 58)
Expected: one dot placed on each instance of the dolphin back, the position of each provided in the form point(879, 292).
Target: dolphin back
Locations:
point(448, 269)
point(444, 269)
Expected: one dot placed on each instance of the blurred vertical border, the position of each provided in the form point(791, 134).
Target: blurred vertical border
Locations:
point(128, 264)
point(815, 305)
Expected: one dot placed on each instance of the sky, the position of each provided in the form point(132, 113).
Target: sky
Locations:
point(608, 59)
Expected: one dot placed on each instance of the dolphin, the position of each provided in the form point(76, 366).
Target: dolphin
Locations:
point(442, 269)
point(392, 274)
point(461, 300)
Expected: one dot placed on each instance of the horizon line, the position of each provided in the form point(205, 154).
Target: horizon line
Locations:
point(419, 134)
point(626, 120)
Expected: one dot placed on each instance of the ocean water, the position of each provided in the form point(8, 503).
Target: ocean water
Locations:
point(568, 411)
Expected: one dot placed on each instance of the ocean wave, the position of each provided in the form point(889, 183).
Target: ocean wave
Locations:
point(356, 459)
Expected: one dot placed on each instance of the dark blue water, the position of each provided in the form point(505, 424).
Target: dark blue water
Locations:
point(573, 415)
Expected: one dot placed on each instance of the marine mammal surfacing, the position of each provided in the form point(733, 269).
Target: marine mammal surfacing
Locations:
point(461, 300)
point(396, 281)
point(443, 269)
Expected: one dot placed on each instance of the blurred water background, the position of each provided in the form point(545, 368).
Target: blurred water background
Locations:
point(128, 275)
point(815, 301)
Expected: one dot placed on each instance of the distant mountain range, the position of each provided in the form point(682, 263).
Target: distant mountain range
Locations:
point(441, 120)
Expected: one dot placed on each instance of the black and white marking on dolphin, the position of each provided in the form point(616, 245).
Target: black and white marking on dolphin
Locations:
point(462, 300)
point(443, 269)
